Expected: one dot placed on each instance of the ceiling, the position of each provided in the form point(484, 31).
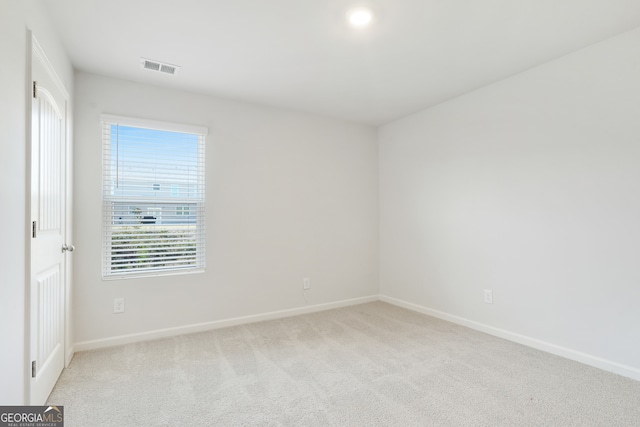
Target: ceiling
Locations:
point(301, 54)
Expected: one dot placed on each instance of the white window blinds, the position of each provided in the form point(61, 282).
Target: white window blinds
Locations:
point(153, 197)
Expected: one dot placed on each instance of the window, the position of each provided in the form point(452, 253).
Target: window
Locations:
point(153, 198)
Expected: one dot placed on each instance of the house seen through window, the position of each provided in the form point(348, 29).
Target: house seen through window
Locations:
point(153, 197)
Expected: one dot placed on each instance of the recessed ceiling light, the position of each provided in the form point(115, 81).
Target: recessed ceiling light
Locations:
point(360, 17)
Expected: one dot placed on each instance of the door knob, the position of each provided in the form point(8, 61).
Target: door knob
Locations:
point(69, 248)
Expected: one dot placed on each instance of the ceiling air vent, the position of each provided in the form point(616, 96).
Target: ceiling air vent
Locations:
point(162, 67)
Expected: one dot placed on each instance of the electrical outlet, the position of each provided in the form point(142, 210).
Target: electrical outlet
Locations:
point(118, 305)
point(488, 296)
point(306, 283)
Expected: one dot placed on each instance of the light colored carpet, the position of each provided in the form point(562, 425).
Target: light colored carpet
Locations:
point(366, 365)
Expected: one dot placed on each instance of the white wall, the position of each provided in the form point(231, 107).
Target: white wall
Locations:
point(529, 187)
point(15, 18)
point(289, 195)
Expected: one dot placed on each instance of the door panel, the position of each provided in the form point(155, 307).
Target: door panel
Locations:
point(50, 159)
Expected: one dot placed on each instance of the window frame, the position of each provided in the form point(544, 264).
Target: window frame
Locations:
point(106, 120)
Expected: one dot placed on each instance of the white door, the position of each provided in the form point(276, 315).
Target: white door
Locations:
point(48, 216)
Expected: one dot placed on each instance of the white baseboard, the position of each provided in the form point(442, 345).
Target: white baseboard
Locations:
point(587, 359)
point(567, 353)
point(69, 355)
point(217, 324)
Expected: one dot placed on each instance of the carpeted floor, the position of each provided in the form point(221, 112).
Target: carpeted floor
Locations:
point(366, 365)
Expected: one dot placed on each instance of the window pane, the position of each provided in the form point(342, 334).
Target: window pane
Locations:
point(153, 201)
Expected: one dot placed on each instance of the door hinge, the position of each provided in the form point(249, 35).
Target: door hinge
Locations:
point(35, 89)
point(33, 229)
point(33, 369)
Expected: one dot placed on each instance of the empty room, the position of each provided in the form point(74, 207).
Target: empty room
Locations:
point(320, 213)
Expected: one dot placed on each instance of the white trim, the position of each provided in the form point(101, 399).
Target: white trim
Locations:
point(567, 353)
point(171, 272)
point(39, 52)
point(217, 324)
point(154, 124)
point(71, 351)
